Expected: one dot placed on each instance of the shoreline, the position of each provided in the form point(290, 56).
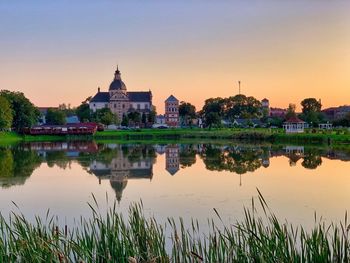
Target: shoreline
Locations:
point(178, 135)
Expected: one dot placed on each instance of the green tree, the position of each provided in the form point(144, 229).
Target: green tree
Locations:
point(187, 112)
point(152, 115)
point(134, 117)
point(291, 111)
point(311, 105)
point(241, 106)
point(144, 118)
point(55, 117)
point(83, 112)
point(311, 111)
point(212, 119)
point(25, 114)
point(125, 120)
point(105, 116)
point(6, 115)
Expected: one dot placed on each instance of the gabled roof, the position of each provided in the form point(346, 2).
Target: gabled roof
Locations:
point(171, 99)
point(140, 96)
point(294, 120)
point(100, 97)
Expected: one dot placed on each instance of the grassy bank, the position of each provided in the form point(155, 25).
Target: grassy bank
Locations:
point(9, 137)
point(155, 135)
point(136, 238)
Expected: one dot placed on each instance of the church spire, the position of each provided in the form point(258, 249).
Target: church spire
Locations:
point(117, 73)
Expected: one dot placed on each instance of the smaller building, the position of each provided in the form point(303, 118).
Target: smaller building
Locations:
point(325, 126)
point(172, 111)
point(277, 112)
point(160, 120)
point(294, 125)
point(265, 103)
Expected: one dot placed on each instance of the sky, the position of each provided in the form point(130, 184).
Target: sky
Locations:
point(62, 51)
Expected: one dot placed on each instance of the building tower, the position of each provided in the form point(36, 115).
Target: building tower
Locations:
point(172, 111)
point(266, 106)
point(118, 97)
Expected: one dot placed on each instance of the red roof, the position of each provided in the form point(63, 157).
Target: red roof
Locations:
point(294, 120)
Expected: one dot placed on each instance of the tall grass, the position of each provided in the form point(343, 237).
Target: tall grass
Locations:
point(136, 238)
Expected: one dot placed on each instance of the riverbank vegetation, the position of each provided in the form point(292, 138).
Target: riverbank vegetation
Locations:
point(114, 237)
point(311, 136)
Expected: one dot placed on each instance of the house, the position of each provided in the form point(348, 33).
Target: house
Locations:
point(120, 101)
point(294, 125)
point(244, 123)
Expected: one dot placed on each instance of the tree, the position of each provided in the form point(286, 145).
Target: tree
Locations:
point(6, 115)
point(152, 116)
point(311, 105)
point(106, 117)
point(134, 117)
point(125, 120)
point(144, 118)
point(311, 111)
point(55, 117)
point(83, 112)
point(291, 111)
point(187, 112)
point(241, 106)
point(212, 119)
point(25, 114)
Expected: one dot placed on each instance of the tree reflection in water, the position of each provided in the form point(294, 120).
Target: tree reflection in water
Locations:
point(119, 163)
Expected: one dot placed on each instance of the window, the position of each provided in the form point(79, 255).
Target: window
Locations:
point(123, 106)
point(138, 106)
point(94, 105)
point(115, 105)
point(146, 106)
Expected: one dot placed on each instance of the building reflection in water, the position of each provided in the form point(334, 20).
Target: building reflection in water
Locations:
point(128, 163)
point(121, 163)
point(172, 158)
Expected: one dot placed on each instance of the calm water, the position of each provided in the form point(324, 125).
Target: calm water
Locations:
point(175, 180)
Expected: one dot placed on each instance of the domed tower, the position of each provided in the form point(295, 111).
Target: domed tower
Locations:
point(118, 96)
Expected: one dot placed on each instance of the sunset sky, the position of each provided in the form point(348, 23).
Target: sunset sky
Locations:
point(61, 51)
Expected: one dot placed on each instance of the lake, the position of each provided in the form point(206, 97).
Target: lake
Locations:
point(175, 180)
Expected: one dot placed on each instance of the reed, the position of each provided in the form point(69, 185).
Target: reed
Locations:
point(112, 238)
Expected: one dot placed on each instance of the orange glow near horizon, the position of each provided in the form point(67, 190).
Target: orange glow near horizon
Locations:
point(282, 51)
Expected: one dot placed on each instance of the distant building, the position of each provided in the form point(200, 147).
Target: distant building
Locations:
point(266, 106)
point(277, 112)
point(120, 101)
point(244, 123)
point(160, 120)
point(172, 111)
point(336, 113)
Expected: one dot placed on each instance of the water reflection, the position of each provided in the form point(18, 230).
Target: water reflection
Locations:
point(120, 163)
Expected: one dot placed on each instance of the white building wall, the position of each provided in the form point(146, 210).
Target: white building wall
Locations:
point(140, 105)
point(98, 105)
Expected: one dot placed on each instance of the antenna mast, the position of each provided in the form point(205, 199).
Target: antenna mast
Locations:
point(239, 87)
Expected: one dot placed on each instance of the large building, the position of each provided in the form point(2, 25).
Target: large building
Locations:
point(120, 101)
point(172, 111)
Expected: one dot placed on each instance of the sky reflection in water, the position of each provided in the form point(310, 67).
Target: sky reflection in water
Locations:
point(175, 180)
